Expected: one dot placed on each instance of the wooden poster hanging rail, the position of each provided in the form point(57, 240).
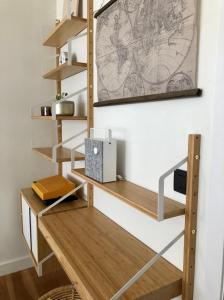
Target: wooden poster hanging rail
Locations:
point(152, 98)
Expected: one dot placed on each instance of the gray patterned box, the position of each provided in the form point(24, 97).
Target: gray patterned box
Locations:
point(101, 159)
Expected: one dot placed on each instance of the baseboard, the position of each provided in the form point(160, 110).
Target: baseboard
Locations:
point(15, 265)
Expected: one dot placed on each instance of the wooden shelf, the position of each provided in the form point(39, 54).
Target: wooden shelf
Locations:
point(65, 30)
point(99, 257)
point(37, 205)
point(64, 154)
point(60, 118)
point(137, 196)
point(64, 71)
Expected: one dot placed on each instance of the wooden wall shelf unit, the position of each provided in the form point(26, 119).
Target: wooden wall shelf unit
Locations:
point(64, 71)
point(136, 196)
point(99, 257)
point(63, 154)
point(60, 118)
point(65, 30)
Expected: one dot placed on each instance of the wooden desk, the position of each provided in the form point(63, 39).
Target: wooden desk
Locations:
point(99, 257)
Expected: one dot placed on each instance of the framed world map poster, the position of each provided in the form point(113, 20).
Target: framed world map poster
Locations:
point(146, 47)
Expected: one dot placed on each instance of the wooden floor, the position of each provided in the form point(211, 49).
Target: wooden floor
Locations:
point(26, 285)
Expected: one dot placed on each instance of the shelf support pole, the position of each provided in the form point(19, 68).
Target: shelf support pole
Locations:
point(191, 216)
point(59, 122)
point(90, 121)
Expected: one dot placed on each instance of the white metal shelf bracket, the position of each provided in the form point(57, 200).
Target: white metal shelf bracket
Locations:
point(73, 155)
point(60, 200)
point(69, 9)
point(161, 200)
point(40, 264)
point(55, 147)
point(140, 273)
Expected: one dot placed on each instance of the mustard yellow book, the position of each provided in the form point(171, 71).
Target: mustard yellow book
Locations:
point(53, 187)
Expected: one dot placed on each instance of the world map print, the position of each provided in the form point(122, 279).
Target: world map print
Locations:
point(146, 47)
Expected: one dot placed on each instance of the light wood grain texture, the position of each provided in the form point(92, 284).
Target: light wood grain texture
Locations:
point(59, 122)
point(191, 216)
point(26, 285)
point(137, 196)
point(99, 257)
point(62, 118)
point(65, 70)
point(64, 154)
point(90, 81)
point(37, 205)
point(64, 31)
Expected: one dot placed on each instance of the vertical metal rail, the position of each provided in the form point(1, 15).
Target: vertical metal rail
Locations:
point(90, 122)
point(191, 216)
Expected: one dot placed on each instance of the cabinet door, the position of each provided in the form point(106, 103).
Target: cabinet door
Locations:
point(33, 220)
point(26, 222)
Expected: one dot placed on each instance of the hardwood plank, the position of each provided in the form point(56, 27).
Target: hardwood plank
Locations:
point(191, 216)
point(64, 71)
point(62, 118)
point(26, 285)
point(65, 30)
point(137, 196)
point(99, 257)
point(64, 154)
point(37, 205)
point(152, 98)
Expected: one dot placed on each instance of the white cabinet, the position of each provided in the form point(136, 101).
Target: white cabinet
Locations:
point(26, 222)
point(33, 223)
point(37, 245)
point(29, 221)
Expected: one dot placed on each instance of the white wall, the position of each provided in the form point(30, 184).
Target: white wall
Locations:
point(23, 24)
point(153, 136)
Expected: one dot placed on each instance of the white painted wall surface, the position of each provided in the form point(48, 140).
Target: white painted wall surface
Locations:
point(153, 136)
point(22, 58)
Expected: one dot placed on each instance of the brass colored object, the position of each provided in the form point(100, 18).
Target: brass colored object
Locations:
point(65, 108)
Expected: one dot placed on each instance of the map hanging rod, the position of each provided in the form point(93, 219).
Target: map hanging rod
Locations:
point(175, 95)
point(103, 8)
